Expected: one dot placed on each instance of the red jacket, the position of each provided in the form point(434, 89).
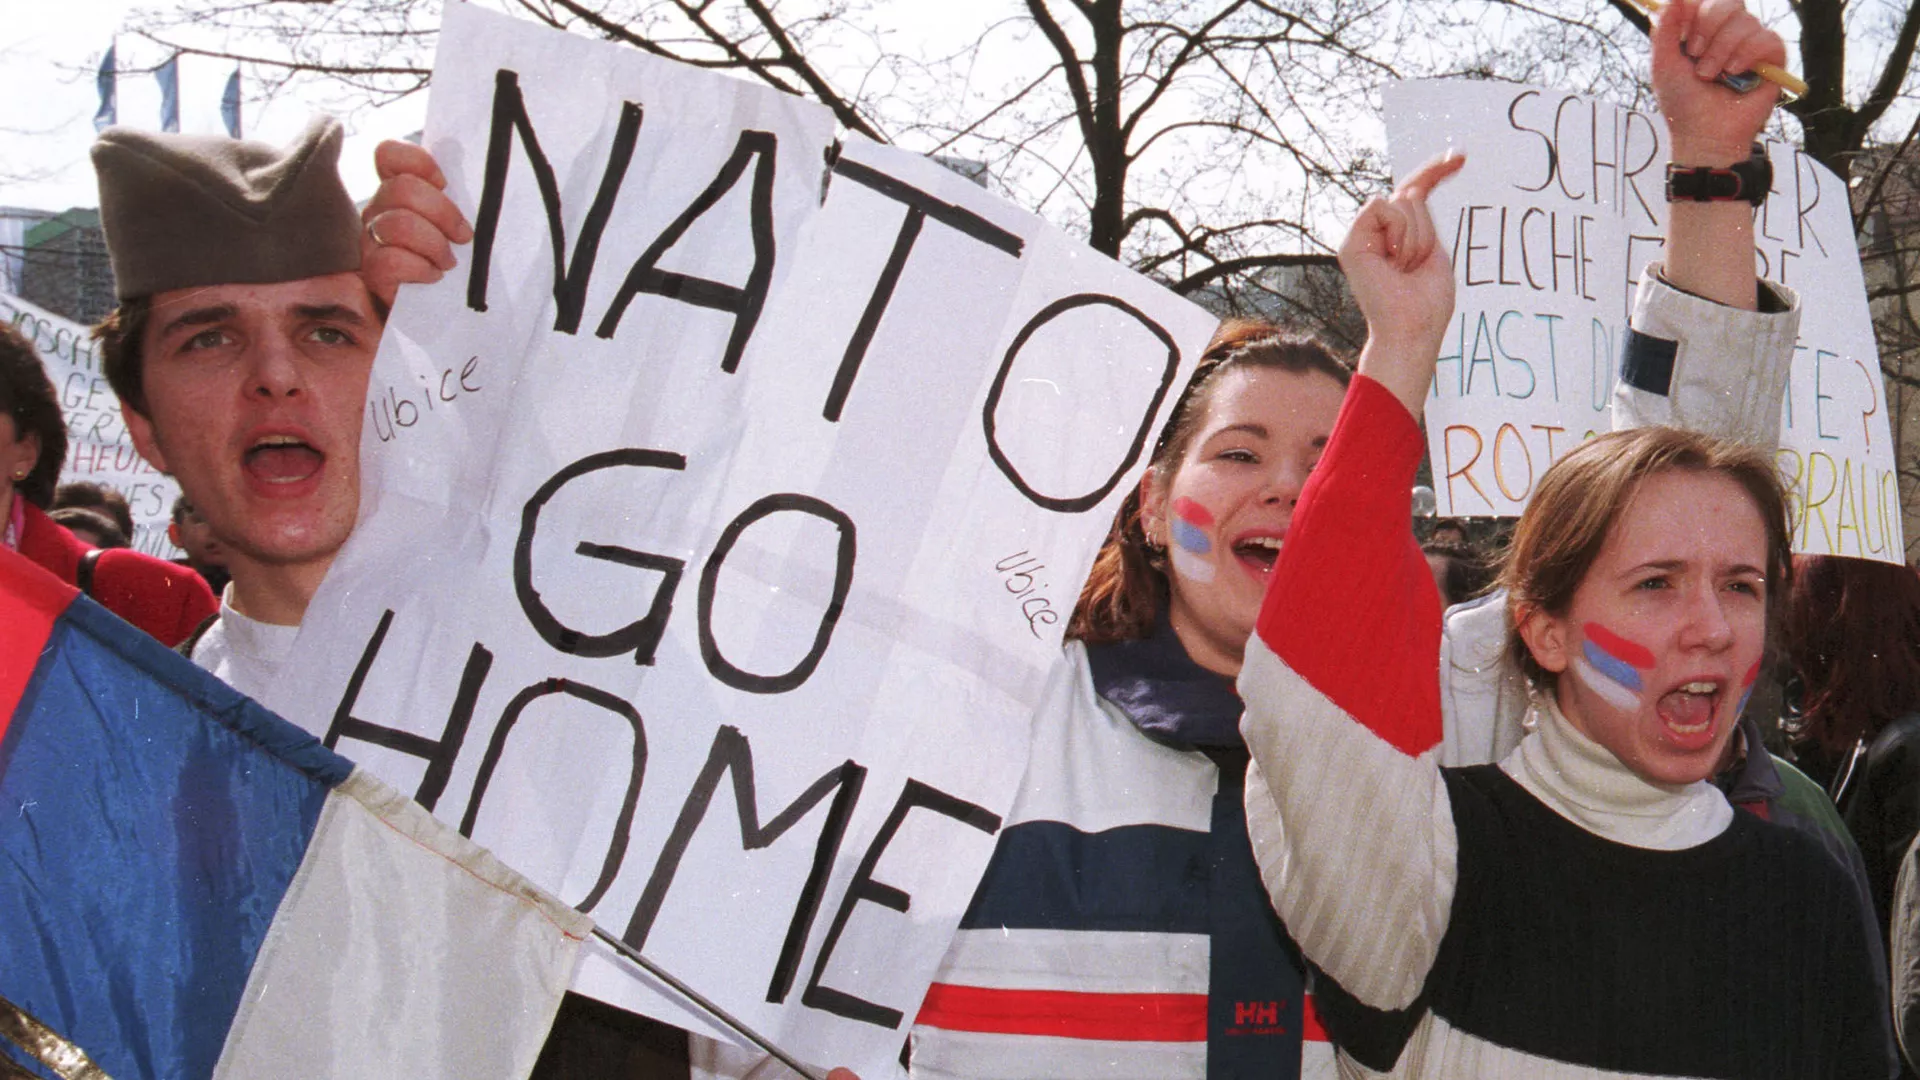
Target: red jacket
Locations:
point(165, 600)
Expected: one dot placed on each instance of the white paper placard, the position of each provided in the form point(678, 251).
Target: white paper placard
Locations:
point(700, 557)
point(99, 449)
point(1556, 214)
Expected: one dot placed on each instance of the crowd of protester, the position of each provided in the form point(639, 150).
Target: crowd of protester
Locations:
point(1571, 851)
point(165, 600)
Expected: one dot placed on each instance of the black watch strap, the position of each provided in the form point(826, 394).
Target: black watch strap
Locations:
point(1747, 181)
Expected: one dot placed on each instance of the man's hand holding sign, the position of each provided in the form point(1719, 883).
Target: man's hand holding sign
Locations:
point(411, 225)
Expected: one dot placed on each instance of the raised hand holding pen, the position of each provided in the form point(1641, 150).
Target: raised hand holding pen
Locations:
point(1710, 244)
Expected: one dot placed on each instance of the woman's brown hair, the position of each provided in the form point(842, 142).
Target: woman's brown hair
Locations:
point(28, 397)
point(1127, 590)
point(1581, 497)
point(1853, 637)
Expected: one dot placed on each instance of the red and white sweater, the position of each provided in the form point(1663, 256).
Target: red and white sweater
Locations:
point(1554, 916)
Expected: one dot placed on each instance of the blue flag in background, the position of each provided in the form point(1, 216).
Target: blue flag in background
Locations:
point(168, 75)
point(108, 115)
point(230, 104)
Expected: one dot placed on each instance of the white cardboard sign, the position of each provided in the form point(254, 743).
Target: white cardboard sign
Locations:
point(1559, 209)
point(724, 511)
point(98, 446)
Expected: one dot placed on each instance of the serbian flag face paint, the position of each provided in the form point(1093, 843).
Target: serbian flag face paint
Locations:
point(1611, 665)
point(1746, 687)
point(1190, 544)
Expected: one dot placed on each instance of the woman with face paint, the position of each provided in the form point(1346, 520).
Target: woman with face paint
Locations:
point(1120, 929)
point(1590, 905)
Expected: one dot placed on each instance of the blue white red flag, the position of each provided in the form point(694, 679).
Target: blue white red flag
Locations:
point(194, 887)
point(109, 112)
point(168, 75)
point(230, 104)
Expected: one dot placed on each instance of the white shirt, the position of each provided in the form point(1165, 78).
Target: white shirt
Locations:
point(244, 653)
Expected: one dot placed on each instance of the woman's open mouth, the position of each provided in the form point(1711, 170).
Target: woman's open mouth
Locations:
point(1688, 711)
point(1257, 553)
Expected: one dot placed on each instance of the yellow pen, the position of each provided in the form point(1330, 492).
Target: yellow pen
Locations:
point(1746, 80)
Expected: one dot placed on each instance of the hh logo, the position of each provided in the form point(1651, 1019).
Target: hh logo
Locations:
point(1257, 1013)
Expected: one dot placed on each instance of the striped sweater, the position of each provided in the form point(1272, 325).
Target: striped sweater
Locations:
point(1089, 950)
point(1553, 916)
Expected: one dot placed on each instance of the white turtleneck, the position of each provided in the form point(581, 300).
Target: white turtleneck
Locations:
point(1583, 782)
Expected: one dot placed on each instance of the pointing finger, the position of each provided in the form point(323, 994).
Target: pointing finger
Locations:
point(1428, 176)
point(1421, 236)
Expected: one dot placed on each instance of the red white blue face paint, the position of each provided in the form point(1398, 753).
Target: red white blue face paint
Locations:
point(1746, 687)
point(1190, 546)
point(1611, 665)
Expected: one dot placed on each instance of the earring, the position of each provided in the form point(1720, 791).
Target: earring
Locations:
point(1151, 544)
point(20, 474)
point(1148, 540)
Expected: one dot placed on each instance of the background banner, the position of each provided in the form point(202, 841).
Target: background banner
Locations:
point(98, 446)
point(1558, 211)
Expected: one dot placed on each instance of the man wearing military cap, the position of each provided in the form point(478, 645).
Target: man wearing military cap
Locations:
point(240, 351)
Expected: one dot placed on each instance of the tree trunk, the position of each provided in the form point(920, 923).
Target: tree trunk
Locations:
point(1828, 123)
point(1107, 147)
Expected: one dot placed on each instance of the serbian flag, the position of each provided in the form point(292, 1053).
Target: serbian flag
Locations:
point(192, 887)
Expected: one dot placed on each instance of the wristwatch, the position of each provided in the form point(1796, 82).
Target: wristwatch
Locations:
point(1746, 181)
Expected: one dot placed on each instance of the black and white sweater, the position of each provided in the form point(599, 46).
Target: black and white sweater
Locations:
point(1553, 916)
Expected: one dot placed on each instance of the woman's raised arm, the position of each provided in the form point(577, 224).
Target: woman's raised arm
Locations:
point(1345, 805)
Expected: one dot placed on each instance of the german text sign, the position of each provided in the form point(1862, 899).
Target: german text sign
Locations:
point(725, 510)
point(1556, 215)
point(98, 446)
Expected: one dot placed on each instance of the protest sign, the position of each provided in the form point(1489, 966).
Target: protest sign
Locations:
point(1558, 211)
point(98, 446)
point(724, 512)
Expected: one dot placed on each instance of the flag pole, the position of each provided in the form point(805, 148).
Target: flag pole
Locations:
point(699, 999)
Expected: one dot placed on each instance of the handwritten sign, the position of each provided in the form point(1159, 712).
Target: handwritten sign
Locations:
point(723, 514)
point(1558, 211)
point(98, 446)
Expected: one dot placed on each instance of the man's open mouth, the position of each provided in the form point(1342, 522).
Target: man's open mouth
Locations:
point(282, 459)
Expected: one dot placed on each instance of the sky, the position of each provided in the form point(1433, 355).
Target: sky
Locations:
point(50, 50)
point(48, 54)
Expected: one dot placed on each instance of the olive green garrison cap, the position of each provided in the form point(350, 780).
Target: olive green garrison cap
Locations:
point(182, 211)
